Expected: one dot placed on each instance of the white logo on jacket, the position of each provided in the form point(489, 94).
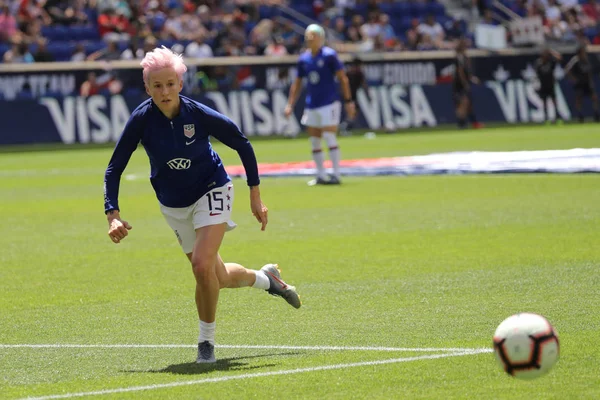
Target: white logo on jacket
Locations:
point(179, 163)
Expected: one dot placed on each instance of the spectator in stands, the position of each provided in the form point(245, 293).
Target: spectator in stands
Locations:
point(260, 33)
point(387, 30)
point(553, 14)
point(132, 52)
point(78, 53)
point(454, 31)
point(19, 53)
point(183, 26)
point(433, 30)
point(339, 29)
point(150, 44)
point(110, 53)
point(275, 48)
point(567, 5)
point(42, 54)
point(198, 49)
point(31, 31)
point(8, 26)
point(287, 31)
point(488, 18)
point(412, 35)
point(354, 33)
point(346, 7)
point(113, 26)
point(294, 45)
point(203, 13)
point(372, 28)
point(66, 12)
point(31, 10)
point(592, 10)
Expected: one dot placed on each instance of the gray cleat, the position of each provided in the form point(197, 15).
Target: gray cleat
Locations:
point(279, 288)
point(206, 353)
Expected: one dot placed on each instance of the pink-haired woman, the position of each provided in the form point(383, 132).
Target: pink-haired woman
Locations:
point(194, 191)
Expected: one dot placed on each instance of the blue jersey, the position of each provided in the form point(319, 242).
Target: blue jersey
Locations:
point(320, 71)
point(183, 164)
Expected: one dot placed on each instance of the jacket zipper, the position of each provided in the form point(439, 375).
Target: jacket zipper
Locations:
point(173, 133)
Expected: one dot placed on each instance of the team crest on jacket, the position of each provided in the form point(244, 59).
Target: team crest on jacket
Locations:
point(189, 130)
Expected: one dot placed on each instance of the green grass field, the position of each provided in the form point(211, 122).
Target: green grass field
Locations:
point(414, 263)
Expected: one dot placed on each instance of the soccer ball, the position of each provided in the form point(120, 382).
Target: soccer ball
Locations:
point(526, 345)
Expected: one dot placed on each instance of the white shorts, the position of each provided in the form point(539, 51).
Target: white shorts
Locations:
point(213, 208)
point(328, 115)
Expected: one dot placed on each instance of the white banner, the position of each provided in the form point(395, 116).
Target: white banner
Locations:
point(527, 31)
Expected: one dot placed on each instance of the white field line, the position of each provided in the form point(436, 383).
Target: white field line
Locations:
point(256, 375)
point(241, 346)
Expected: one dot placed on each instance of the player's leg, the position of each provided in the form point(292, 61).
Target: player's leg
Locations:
point(314, 135)
point(471, 113)
point(204, 261)
point(546, 96)
point(233, 275)
point(331, 118)
point(579, 102)
point(329, 135)
point(462, 105)
point(312, 120)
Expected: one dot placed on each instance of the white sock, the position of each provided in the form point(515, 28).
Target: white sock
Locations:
point(334, 151)
point(262, 281)
point(318, 156)
point(207, 332)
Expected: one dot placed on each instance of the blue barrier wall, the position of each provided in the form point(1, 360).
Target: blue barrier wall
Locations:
point(44, 107)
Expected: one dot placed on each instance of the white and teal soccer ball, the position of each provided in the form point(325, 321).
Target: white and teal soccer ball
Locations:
point(526, 345)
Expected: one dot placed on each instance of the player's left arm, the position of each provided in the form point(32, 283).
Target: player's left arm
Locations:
point(557, 56)
point(346, 93)
point(230, 135)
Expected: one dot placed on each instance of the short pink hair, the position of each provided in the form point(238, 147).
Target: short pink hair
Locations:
point(162, 57)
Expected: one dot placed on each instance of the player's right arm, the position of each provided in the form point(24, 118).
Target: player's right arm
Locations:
point(118, 228)
point(295, 89)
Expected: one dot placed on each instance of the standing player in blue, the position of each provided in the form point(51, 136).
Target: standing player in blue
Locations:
point(194, 191)
point(322, 113)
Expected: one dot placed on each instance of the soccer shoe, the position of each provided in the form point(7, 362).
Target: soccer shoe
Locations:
point(277, 287)
point(206, 353)
point(478, 125)
point(334, 180)
point(318, 181)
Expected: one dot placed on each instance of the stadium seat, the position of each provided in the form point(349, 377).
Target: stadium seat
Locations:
point(61, 50)
point(418, 10)
point(435, 8)
point(83, 33)
point(55, 32)
point(93, 46)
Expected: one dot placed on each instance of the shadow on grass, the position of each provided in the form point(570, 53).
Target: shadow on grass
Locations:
point(222, 364)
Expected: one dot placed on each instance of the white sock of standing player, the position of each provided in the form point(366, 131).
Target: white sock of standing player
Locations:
point(318, 156)
point(334, 152)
